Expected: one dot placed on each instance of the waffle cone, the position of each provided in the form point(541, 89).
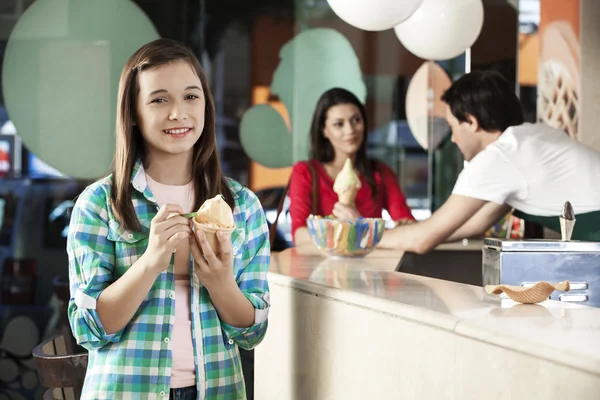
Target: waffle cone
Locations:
point(347, 197)
point(531, 295)
point(211, 235)
point(558, 104)
point(559, 78)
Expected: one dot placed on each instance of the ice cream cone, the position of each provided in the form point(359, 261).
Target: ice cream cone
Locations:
point(347, 197)
point(346, 184)
point(567, 222)
point(214, 215)
point(566, 228)
point(210, 231)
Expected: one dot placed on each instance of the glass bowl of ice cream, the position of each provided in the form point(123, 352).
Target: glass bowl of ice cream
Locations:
point(345, 238)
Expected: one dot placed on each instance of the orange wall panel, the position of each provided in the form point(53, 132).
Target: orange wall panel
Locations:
point(555, 10)
point(529, 50)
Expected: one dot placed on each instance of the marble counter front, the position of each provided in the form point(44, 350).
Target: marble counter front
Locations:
point(378, 328)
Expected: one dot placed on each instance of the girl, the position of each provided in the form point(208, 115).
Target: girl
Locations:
point(337, 133)
point(161, 315)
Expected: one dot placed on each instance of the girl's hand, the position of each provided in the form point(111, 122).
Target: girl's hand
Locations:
point(341, 211)
point(213, 270)
point(167, 229)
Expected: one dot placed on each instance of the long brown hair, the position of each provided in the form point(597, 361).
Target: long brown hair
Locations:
point(321, 148)
point(206, 168)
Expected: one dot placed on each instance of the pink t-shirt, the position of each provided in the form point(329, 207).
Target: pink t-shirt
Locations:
point(183, 371)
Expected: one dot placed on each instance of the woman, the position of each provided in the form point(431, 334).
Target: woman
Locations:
point(156, 321)
point(337, 133)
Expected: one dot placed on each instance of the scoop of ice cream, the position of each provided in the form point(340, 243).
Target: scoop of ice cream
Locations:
point(346, 179)
point(215, 212)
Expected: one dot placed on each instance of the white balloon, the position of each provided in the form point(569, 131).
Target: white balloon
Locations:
point(441, 29)
point(374, 15)
point(425, 110)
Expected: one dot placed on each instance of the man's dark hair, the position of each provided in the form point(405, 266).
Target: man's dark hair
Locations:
point(488, 97)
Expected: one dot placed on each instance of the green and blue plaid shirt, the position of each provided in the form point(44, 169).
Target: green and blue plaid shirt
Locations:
point(135, 363)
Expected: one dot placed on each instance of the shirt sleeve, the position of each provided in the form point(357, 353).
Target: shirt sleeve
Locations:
point(300, 194)
point(489, 176)
point(252, 280)
point(394, 201)
point(91, 264)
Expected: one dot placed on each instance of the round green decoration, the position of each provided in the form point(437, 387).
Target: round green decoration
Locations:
point(60, 76)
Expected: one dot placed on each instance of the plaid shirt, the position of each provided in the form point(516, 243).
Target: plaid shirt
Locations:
point(135, 363)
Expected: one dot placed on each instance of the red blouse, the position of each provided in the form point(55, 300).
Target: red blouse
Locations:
point(389, 195)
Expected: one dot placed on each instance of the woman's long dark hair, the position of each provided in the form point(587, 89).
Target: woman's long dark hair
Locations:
point(206, 169)
point(321, 148)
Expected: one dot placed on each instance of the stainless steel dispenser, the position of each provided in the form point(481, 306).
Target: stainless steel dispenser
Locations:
point(525, 262)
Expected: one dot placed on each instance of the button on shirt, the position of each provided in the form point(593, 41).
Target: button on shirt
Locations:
point(136, 362)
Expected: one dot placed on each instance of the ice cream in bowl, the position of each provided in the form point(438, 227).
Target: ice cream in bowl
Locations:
point(213, 216)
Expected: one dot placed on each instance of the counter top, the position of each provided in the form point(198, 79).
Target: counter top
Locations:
point(564, 333)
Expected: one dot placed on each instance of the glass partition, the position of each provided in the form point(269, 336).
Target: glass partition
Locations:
point(407, 129)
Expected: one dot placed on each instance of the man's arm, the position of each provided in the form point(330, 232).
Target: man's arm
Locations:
point(486, 217)
point(451, 220)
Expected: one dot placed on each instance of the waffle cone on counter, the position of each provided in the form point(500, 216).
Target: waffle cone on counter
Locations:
point(537, 293)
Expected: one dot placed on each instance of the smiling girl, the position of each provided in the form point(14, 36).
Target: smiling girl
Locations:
point(160, 314)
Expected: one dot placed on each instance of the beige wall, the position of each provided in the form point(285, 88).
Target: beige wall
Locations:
point(590, 73)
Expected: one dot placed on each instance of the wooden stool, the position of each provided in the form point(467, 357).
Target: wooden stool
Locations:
point(62, 372)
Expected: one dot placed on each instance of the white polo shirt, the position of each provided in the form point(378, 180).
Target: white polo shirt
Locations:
point(535, 169)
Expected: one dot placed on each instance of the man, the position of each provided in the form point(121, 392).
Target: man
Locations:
point(532, 168)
